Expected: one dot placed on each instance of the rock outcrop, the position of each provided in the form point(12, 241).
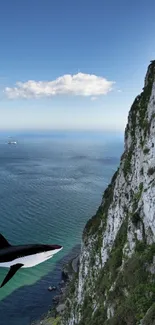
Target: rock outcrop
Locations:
point(115, 284)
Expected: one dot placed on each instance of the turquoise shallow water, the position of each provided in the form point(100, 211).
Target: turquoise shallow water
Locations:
point(50, 185)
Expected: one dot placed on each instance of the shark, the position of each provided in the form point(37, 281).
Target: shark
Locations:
point(23, 256)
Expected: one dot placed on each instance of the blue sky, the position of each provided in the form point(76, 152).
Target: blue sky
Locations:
point(104, 48)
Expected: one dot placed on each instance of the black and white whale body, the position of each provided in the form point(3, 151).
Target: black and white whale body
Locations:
point(16, 257)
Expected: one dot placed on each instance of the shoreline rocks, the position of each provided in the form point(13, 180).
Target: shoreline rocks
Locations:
point(52, 288)
point(58, 300)
point(69, 269)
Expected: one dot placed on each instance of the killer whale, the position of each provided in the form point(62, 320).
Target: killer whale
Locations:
point(23, 256)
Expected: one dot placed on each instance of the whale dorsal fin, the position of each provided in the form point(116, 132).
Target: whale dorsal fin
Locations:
point(3, 242)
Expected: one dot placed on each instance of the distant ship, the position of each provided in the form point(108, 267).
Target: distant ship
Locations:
point(12, 142)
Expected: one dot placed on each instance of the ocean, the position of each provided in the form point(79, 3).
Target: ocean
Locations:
point(50, 185)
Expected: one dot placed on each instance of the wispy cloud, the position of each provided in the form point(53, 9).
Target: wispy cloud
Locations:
point(80, 84)
point(93, 98)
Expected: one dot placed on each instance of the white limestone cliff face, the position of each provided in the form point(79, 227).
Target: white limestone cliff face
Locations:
point(129, 201)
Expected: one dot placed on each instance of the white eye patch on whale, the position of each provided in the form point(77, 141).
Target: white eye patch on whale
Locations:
point(24, 256)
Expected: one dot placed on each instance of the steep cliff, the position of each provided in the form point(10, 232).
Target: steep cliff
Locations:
point(115, 284)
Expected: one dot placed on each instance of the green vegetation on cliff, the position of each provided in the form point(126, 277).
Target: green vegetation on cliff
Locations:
point(93, 224)
point(139, 105)
point(133, 291)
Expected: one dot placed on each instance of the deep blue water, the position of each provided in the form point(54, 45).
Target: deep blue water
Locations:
point(50, 185)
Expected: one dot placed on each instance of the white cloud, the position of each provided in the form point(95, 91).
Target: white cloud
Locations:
point(80, 84)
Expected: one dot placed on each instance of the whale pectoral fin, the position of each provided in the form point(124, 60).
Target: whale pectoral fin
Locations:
point(11, 273)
